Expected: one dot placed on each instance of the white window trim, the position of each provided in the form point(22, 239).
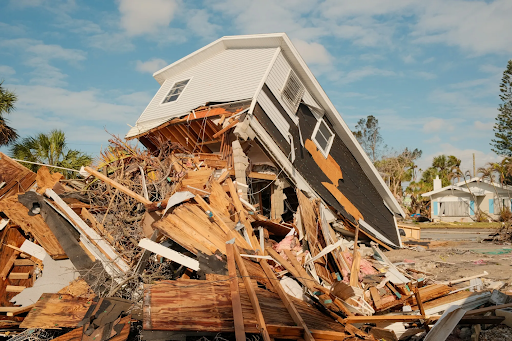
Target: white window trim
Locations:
point(172, 86)
point(325, 153)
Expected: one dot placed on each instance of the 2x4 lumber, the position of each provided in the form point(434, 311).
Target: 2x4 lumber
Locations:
point(240, 209)
point(226, 128)
point(204, 205)
point(288, 266)
point(223, 176)
point(88, 232)
point(23, 262)
point(420, 305)
point(20, 310)
point(486, 309)
point(117, 185)
point(252, 295)
point(263, 176)
point(382, 318)
point(374, 292)
point(296, 332)
point(15, 288)
point(174, 256)
point(96, 225)
point(235, 294)
point(292, 310)
point(356, 260)
point(19, 275)
point(301, 271)
point(9, 265)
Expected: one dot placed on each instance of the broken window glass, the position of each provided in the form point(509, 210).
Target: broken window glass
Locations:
point(176, 91)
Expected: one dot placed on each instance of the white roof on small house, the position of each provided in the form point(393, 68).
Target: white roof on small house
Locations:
point(218, 65)
point(447, 188)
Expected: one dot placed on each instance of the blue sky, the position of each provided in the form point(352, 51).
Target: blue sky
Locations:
point(428, 70)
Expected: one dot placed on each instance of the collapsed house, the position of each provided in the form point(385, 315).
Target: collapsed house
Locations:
point(253, 213)
point(254, 98)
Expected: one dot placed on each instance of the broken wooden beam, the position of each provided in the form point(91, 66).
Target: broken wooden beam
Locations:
point(235, 294)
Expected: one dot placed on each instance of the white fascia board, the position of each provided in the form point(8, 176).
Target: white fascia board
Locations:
point(377, 234)
point(175, 256)
point(340, 126)
point(447, 188)
point(311, 83)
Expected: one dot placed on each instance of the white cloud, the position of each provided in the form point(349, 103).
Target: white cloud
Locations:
point(485, 126)
point(114, 42)
point(425, 75)
point(150, 66)
point(313, 53)
point(6, 70)
point(145, 17)
point(436, 125)
point(465, 155)
point(198, 21)
point(368, 71)
point(409, 59)
point(38, 56)
point(83, 115)
point(476, 26)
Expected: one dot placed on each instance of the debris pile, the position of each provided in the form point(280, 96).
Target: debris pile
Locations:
point(181, 240)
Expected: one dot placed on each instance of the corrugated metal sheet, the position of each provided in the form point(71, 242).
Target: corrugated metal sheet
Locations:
point(229, 75)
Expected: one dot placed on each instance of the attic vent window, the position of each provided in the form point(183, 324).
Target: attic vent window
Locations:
point(323, 137)
point(176, 91)
point(293, 91)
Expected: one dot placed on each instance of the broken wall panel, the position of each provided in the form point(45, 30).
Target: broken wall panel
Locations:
point(17, 178)
point(55, 311)
point(33, 225)
point(354, 186)
point(191, 305)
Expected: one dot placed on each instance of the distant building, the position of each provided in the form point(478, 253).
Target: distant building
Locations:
point(460, 201)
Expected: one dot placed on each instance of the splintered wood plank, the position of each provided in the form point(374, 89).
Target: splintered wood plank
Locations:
point(15, 288)
point(34, 225)
point(240, 209)
point(226, 128)
point(308, 217)
point(235, 294)
point(292, 310)
point(17, 178)
point(197, 179)
point(8, 266)
point(46, 180)
point(252, 295)
point(56, 311)
point(198, 305)
point(240, 241)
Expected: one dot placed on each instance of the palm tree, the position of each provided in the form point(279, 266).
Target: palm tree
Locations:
point(50, 149)
point(7, 99)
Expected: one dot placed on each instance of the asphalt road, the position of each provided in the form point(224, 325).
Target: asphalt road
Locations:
point(456, 234)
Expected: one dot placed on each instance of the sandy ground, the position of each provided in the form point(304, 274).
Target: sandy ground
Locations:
point(458, 254)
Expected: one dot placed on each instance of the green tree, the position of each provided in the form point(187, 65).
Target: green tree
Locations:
point(368, 135)
point(50, 149)
point(442, 165)
point(502, 145)
point(7, 99)
point(399, 168)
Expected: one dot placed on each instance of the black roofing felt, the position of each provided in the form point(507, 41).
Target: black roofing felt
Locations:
point(355, 185)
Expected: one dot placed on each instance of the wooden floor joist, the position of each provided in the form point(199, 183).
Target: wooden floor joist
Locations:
point(235, 294)
point(252, 295)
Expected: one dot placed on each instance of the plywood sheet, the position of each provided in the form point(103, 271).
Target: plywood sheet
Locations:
point(57, 311)
point(18, 178)
point(34, 225)
point(193, 305)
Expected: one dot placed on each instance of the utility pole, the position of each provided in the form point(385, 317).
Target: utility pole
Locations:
point(474, 171)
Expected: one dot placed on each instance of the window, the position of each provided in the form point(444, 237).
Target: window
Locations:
point(293, 91)
point(323, 137)
point(453, 209)
point(176, 91)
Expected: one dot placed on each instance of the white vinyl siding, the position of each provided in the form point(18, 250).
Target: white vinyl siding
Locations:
point(229, 75)
point(274, 114)
point(276, 81)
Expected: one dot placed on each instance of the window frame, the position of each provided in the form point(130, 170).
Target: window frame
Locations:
point(172, 87)
point(330, 141)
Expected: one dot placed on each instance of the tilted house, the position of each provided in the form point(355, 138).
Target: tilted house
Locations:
point(461, 201)
point(254, 96)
